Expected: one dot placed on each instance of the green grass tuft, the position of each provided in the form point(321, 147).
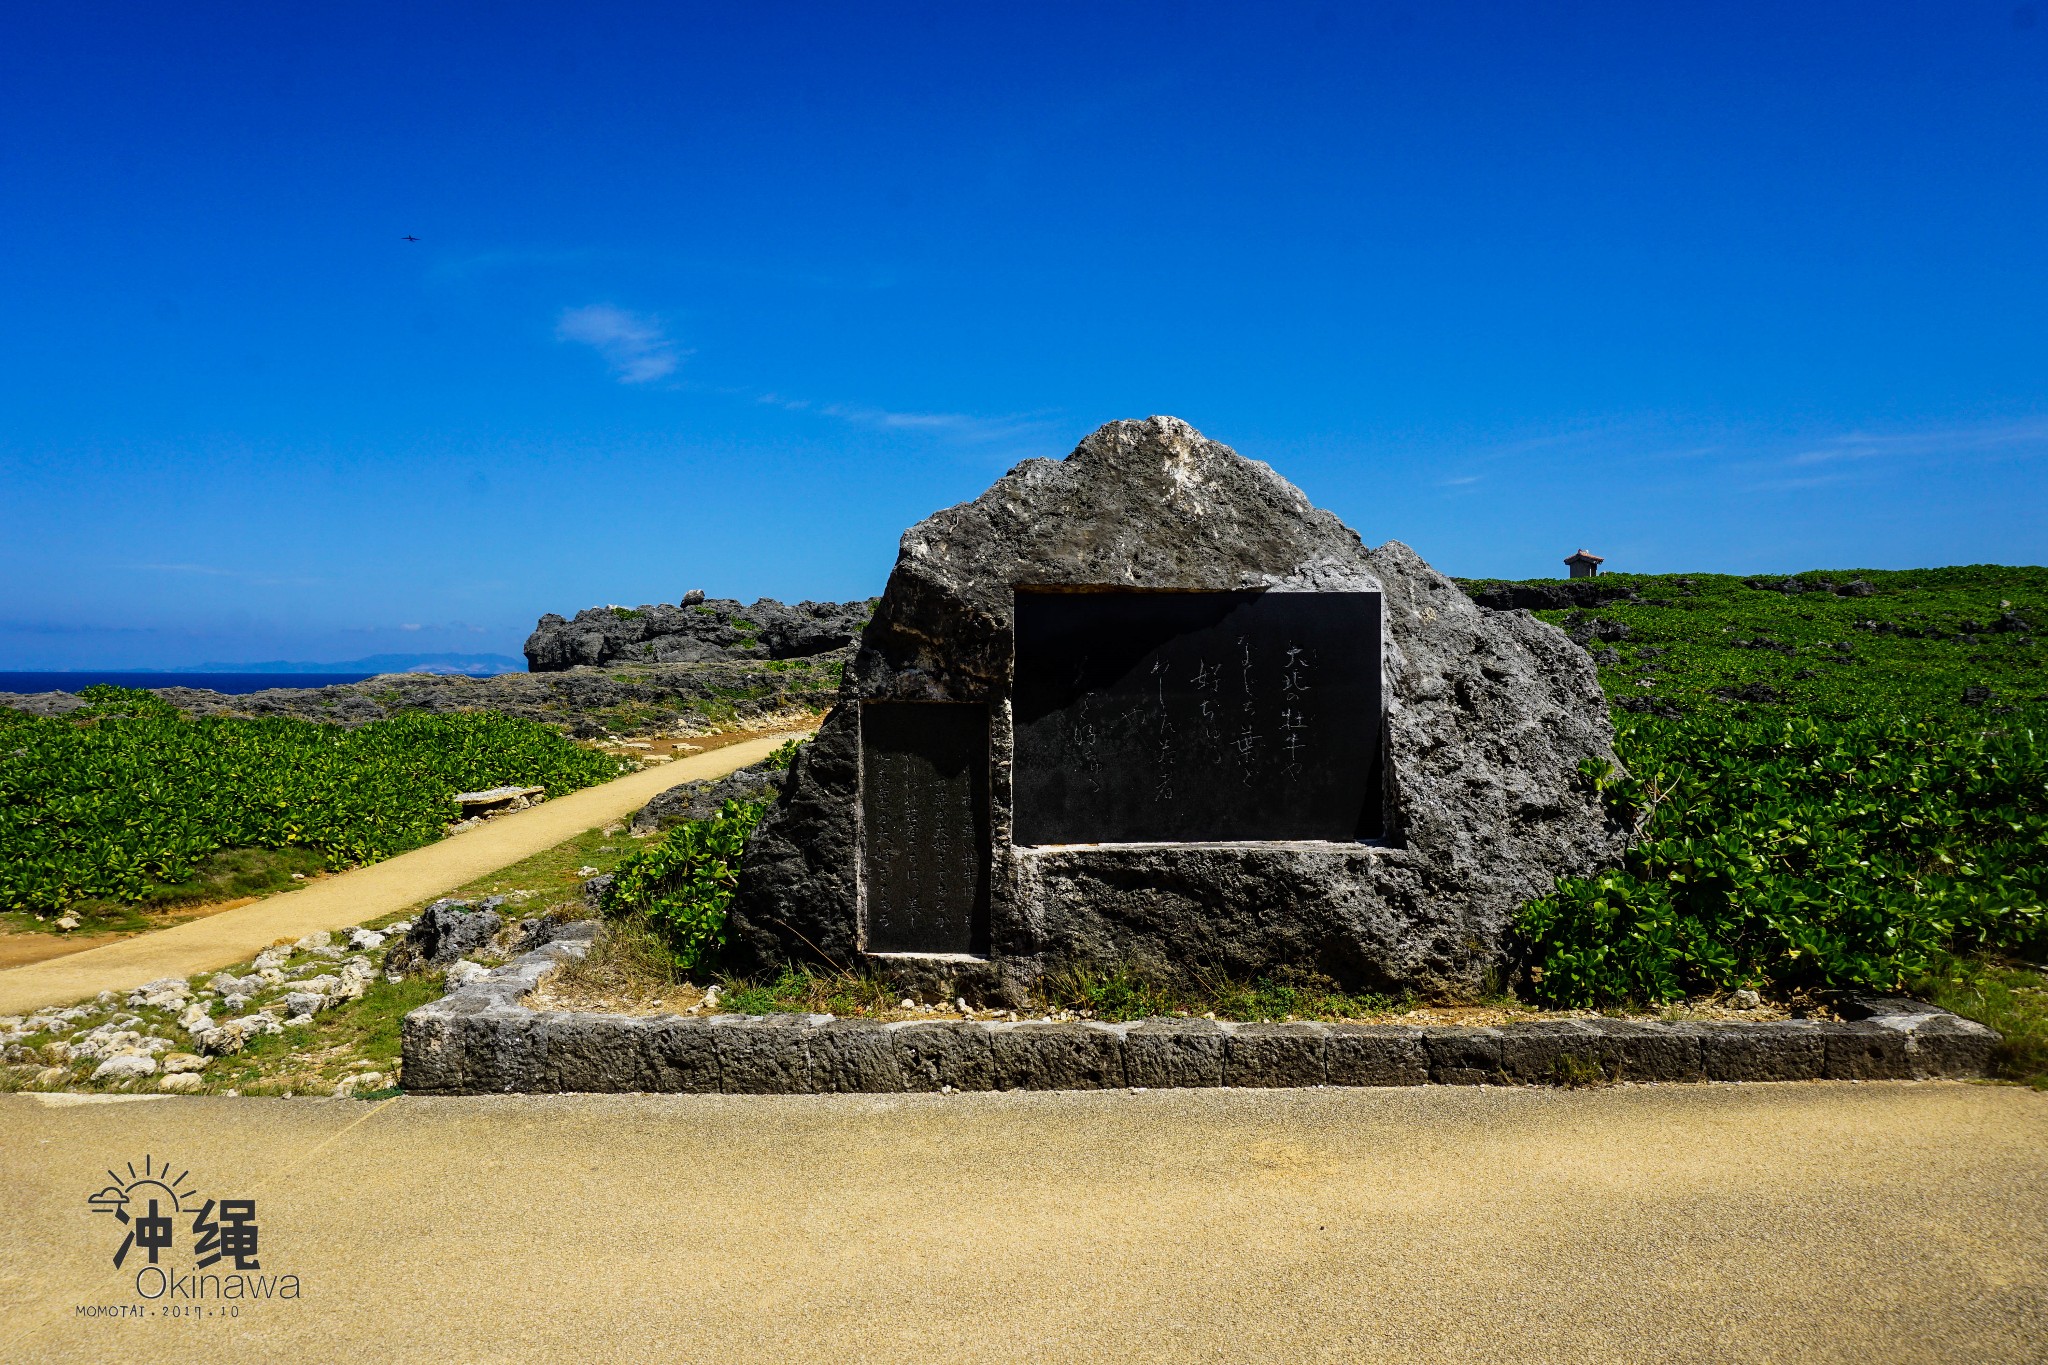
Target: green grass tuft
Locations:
point(1123, 994)
point(2010, 998)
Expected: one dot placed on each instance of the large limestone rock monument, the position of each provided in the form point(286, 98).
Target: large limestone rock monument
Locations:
point(1148, 708)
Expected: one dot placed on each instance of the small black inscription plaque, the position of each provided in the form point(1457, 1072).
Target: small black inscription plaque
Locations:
point(925, 826)
point(1183, 717)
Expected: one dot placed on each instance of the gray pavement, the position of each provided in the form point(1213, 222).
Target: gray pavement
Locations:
point(1887, 1221)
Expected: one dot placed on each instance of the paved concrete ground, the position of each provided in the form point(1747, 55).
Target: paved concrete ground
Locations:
point(361, 893)
point(1889, 1222)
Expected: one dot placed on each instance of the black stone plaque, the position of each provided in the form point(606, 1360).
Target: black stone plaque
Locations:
point(1182, 717)
point(925, 826)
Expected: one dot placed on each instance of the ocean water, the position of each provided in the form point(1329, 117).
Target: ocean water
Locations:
point(218, 682)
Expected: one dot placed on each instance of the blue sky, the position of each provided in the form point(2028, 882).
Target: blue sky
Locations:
point(727, 296)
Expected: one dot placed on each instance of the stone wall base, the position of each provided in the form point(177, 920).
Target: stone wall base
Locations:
point(481, 1040)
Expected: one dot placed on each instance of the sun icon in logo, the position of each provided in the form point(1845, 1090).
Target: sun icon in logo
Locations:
point(154, 1195)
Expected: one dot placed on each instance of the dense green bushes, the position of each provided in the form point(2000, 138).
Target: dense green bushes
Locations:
point(127, 795)
point(1802, 854)
point(1919, 639)
point(1834, 791)
point(682, 886)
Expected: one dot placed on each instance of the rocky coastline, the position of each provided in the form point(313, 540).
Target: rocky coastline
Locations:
point(710, 664)
point(696, 630)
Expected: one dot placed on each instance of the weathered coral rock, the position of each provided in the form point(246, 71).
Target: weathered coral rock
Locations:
point(702, 800)
point(443, 932)
point(697, 632)
point(1488, 716)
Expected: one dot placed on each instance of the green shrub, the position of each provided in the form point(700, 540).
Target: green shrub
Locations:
point(126, 795)
point(682, 886)
point(1834, 788)
point(784, 754)
point(1909, 648)
point(1788, 853)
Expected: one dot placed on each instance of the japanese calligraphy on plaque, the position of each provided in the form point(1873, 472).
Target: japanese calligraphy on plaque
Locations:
point(925, 826)
point(1178, 717)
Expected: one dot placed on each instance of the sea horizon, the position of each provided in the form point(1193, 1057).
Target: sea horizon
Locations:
point(232, 683)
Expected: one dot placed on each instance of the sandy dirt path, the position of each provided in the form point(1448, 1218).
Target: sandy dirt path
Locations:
point(1894, 1222)
point(361, 893)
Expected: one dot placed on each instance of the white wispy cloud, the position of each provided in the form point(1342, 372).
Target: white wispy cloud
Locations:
point(960, 426)
point(1634, 439)
point(239, 575)
point(206, 569)
point(2027, 437)
point(412, 627)
point(1761, 460)
point(632, 344)
point(1784, 485)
